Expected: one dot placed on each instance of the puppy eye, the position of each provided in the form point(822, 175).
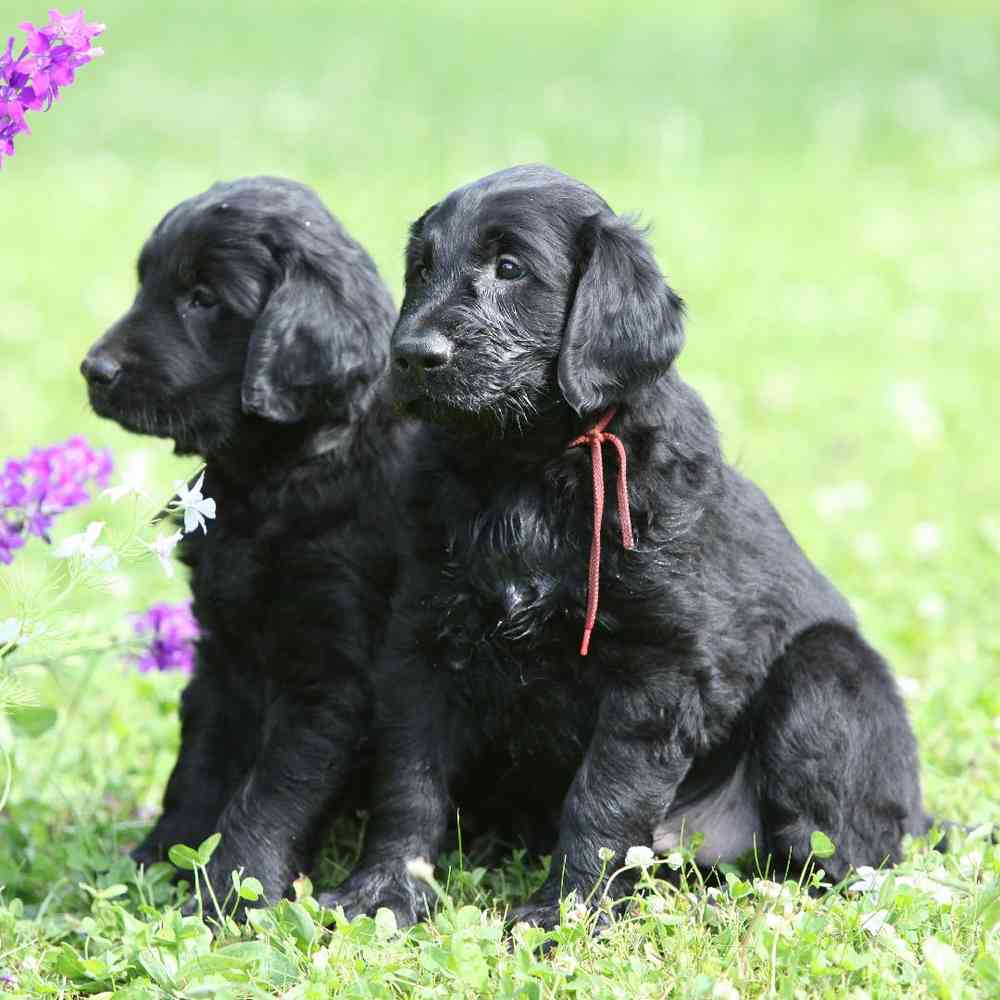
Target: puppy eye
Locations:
point(508, 268)
point(202, 298)
point(423, 274)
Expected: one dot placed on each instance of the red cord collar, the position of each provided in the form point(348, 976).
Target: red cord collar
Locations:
point(595, 438)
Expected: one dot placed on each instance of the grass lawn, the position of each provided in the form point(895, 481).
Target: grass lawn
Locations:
point(823, 182)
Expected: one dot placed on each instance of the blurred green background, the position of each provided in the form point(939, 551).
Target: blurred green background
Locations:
point(823, 182)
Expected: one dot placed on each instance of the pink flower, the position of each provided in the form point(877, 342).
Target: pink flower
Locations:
point(49, 60)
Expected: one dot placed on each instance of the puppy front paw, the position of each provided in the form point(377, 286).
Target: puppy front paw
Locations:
point(381, 886)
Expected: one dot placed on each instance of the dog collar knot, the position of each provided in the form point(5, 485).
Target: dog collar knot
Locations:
point(595, 438)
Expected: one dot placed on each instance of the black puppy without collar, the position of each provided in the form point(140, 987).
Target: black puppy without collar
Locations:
point(256, 339)
point(727, 689)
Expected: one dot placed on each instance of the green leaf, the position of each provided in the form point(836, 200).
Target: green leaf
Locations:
point(944, 968)
point(822, 846)
point(32, 720)
point(270, 964)
point(207, 848)
point(250, 889)
point(184, 857)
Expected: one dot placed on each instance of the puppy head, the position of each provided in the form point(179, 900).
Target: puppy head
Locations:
point(253, 305)
point(525, 292)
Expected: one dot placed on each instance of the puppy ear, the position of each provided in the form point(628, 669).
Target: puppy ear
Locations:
point(626, 325)
point(305, 338)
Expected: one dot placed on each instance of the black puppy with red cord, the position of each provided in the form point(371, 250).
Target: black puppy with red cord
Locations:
point(651, 650)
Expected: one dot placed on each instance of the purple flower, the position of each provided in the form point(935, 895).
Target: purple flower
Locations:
point(31, 80)
point(36, 489)
point(171, 630)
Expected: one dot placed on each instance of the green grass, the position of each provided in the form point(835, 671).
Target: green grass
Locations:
point(824, 186)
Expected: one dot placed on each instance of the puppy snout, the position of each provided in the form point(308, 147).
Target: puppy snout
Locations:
point(422, 353)
point(100, 369)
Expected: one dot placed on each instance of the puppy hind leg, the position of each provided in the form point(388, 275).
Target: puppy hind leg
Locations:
point(834, 752)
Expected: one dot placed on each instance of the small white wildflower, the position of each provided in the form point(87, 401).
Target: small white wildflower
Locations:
point(910, 686)
point(931, 607)
point(868, 547)
point(10, 631)
point(420, 868)
point(606, 854)
point(724, 990)
point(926, 538)
point(639, 857)
point(163, 546)
point(768, 889)
point(941, 894)
point(970, 863)
point(84, 545)
point(195, 505)
point(675, 860)
point(130, 485)
point(869, 880)
point(909, 400)
point(835, 501)
point(874, 922)
point(565, 963)
point(656, 905)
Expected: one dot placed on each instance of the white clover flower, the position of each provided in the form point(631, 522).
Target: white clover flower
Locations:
point(195, 505)
point(931, 607)
point(639, 857)
point(926, 538)
point(941, 894)
point(163, 546)
point(914, 409)
point(420, 868)
point(724, 990)
point(768, 889)
point(10, 631)
point(910, 686)
point(874, 922)
point(675, 860)
point(835, 501)
point(869, 880)
point(84, 545)
point(606, 854)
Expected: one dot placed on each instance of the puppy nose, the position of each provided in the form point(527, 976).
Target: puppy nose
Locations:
point(422, 353)
point(100, 369)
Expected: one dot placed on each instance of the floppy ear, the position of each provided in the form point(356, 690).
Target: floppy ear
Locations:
point(304, 338)
point(626, 325)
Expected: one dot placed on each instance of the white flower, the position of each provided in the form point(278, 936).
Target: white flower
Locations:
point(129, 486)
point(639, 857)
point(768, 889)
point(926, 538)
point(941, 894)
point(874, 922)
point(914, 409)
point(163, 546)
point(195, 505)
point(420, 868)
point(910, 686)
point(724, 990)
point(869, 880)
point(834, 501)
point(931, 607)
point(675, 860)
point(10, 631)
point(83, 545)
point(606, 854)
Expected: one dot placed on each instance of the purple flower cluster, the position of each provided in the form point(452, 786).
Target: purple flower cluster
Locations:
point(34, 490)
point(171, 630)
point(31, 80)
